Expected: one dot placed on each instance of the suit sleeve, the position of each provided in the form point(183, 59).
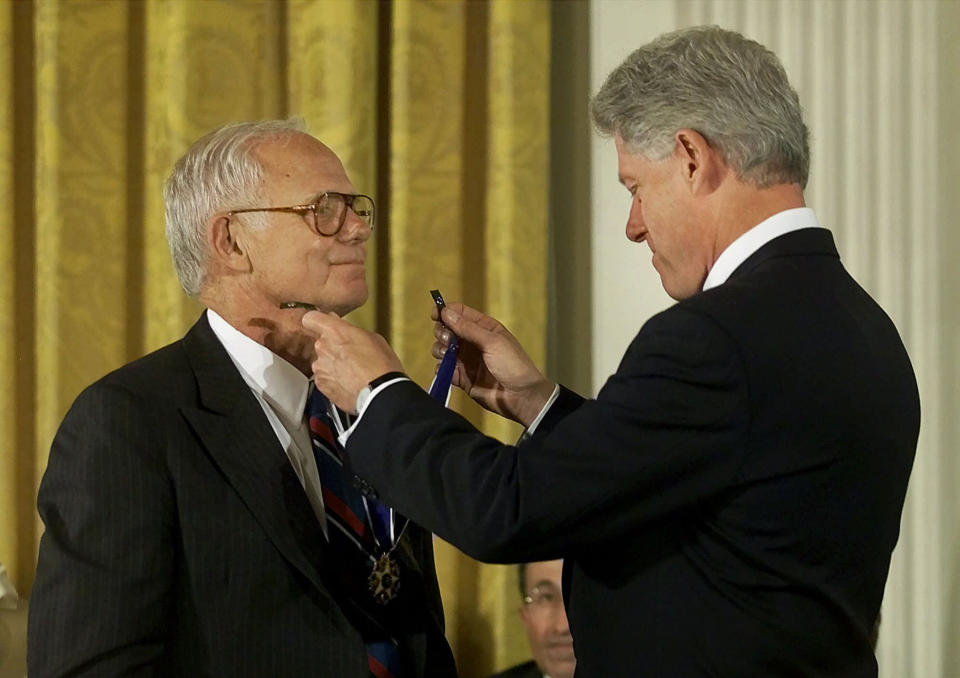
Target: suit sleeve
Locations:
point(665, 435)
point(100, 603)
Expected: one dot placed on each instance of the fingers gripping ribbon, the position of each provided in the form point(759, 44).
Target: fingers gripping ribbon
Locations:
point(440, 388)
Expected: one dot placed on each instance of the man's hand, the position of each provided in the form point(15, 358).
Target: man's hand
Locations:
point(348, 358)
point(492, 366)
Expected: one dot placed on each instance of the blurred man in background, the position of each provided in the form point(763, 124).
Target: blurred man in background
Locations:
point(545, 621)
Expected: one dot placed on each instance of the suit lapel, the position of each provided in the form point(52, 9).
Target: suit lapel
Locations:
point(236, 434)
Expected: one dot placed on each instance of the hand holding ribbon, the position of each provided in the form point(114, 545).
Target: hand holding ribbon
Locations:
point(491, 365)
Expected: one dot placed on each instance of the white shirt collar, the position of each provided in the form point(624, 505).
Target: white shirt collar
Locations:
point(281, 384)
point(740, 249)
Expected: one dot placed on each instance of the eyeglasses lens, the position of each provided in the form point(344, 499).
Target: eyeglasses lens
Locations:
point(362, 206)
point(328, 213)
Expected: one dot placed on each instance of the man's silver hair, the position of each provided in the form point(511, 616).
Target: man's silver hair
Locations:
point(219, 172)
point(730, 89)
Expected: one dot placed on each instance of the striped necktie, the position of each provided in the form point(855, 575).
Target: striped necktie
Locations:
point(350, 520)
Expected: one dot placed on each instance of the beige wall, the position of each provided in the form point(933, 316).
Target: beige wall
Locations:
point(625, 288)
point(947, 193)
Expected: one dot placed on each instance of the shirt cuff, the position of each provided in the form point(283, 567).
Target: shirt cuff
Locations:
point(531, 429)
point(343, 437)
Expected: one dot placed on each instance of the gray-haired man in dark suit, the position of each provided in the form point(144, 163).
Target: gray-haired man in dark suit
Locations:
point(728, 503)
point(188, 531)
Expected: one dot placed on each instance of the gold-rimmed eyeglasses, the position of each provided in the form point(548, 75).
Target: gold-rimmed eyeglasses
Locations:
point(543, 600)
point(327, 215)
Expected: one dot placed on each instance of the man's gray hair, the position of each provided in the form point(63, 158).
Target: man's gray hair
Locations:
point(730, 89)
point(220, 171)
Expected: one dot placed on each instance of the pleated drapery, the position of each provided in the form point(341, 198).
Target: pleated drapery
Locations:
point(440, 110)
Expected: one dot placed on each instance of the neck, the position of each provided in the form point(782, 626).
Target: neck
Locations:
point(277, 329)
point(742, 206)
point(284, 337)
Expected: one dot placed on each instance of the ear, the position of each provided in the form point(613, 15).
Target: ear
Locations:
point(522, 613)
point(701, 165)
point(225, 243)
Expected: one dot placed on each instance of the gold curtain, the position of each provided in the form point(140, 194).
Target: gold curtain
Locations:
point(440, 109)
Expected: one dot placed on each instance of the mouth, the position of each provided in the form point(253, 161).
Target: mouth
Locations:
point(558, 661)
point(347, 256)
point(560, 651)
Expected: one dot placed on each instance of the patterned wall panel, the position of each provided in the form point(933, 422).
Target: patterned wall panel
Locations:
point(80, 181)
point(515, 244)
point(332, 59)
point(517, 199)
point(8, 380)
point(206, 64)
point(107, 94)
point(426, 172)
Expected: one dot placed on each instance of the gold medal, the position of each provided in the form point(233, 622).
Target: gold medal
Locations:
point(384, 579)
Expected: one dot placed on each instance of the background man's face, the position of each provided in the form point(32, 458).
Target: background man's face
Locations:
point(661, 214)
point(291, 262)
point(546, 620)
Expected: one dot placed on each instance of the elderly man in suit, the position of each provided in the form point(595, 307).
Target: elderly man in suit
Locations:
point(729, 502)
point(198, 520)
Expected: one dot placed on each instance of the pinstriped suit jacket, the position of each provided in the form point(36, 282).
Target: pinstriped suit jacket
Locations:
point(179, 541)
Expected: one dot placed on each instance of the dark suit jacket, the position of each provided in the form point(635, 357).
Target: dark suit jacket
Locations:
point(728, 504)
point(180, 542)
point(525, 670)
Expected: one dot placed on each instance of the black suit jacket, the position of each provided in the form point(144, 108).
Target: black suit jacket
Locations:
point(180, 542)
point(728, 504)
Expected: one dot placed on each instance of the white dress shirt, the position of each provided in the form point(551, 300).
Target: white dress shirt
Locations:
point(281, 389)
point(740, 249)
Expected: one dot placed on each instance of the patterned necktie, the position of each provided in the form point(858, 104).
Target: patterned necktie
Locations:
point(349, 522)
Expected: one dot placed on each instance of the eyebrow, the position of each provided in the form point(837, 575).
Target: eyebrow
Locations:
point(543, 582)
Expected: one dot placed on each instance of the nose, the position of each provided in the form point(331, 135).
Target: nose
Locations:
point(354, 228)
point(560, 624)
point(636, 228)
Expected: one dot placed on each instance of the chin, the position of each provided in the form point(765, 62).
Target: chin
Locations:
point(351, 302)
point(340, 295)
point(676, 289)
point(670, 289)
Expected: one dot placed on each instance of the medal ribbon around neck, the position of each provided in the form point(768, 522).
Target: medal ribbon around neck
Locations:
point(386, 526)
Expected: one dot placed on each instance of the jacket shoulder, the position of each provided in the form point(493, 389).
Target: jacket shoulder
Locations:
point(158, 371)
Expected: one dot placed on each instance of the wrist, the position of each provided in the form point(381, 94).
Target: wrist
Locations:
point(365, 392)
point(533, 401)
